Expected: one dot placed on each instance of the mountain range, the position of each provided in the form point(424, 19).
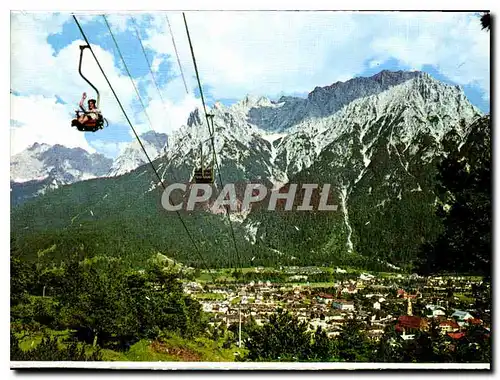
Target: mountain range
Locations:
point(42, 167)
point(376, 140)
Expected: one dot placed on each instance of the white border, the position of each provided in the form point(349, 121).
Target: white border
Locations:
point(351, 5)
point(250, 365)
point(146, 5)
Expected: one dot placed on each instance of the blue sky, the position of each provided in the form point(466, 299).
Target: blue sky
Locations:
point(258, 53)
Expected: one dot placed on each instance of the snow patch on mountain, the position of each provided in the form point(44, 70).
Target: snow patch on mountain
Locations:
point(133, 155)
point(64, 165)
point(412, 101)
point(343, 199)
point(257, 138)
point(42, 167)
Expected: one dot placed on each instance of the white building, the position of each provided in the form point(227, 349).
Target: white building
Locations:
point(462, 315)
point(366, 276)
point(435, 311)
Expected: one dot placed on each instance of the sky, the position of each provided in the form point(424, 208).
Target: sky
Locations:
point(238, 53)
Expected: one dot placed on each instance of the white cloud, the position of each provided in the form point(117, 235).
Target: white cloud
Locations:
point(238, 53)
point(374, 63)
point(58, 75)
point(40, 119)
point(109, 148)
point(452, 42)
point(168, 115)
point(36, 69)
point(259, 53)
point(155, 65)
point(118, 22)
point(263, 53)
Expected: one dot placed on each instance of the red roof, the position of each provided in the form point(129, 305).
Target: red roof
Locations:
point(400, 291)
point(450, 323)
point(324, 295)
point(410, 321)
point(457, 335)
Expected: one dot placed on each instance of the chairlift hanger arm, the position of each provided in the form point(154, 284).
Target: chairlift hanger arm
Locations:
point(211, 128)
point(82, 48)
point(201, 152)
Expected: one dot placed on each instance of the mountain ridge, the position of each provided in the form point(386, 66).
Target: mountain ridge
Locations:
point(378, 151)
point(42, 167)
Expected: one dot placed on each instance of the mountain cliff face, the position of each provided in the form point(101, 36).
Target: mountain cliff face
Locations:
point(376, 140)
point(133, 156)
point(379, 153)
point(42, 167)
point(40, 161)
point(321, 102)
point(276, 147)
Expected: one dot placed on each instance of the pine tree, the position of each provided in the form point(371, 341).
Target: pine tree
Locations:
point(464, 186)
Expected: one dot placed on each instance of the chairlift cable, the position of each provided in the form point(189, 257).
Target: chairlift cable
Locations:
point(138, 138)
point(131, 79)
point(147, 60)
point(138, 34)
point(177, 54)
point(211, 135)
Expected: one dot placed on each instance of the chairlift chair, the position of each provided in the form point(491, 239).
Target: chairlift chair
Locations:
point(205, 174)
point(90, 125)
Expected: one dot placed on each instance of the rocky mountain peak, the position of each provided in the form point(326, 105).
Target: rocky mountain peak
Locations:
point(38, 147)
point(256, 137)
point(40, 161)
point(376, 140)
point(388, 78)
point(331, 98)
point(194, 118)
point(133, 156)
point(159, 140)
point(41, 167)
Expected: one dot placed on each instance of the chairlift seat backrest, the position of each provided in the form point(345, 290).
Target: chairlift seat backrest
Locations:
point(204, 175)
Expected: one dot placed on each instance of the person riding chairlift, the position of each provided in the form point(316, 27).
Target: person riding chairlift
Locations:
point(92, 115)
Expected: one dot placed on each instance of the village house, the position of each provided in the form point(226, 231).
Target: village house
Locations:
point(473, 321)
point(337, 321)
point(325, 298)
point(434, 311)
point(456, 335)
point(326, 308)
point(380, 296)
point(409, 325)
point(343, 305)
point(192, 287)
point(207, 306)
point(317, 322)
point(461, 316)
point(448, 326)
point(375, 332)
point(402, 293)
point(350, 289)
point(366, 277)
